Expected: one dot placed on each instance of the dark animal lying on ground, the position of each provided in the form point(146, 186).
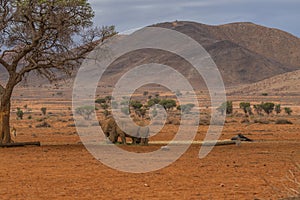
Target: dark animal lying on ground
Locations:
point(241, 138)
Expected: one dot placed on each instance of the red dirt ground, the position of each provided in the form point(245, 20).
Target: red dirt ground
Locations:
point(63, 169)
point(249, 171)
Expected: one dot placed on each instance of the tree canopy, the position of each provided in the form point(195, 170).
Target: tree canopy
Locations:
point(44, 36)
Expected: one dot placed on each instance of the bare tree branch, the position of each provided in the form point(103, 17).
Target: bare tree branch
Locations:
point(4, 63)
point(39, 36)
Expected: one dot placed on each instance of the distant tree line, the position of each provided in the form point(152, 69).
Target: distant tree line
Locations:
point(264, 107)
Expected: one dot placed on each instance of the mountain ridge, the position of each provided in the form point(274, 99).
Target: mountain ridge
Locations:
point(286, 84)
point(244, 52)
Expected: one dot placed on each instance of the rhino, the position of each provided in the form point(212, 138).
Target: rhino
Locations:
point(112, 131)
point(143, 134)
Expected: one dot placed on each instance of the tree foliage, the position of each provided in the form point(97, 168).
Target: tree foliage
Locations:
point(245, 106)
point(100, 101)
point(153, 102)
point(186, 108)
point(47, 37)
point(136, 105)
point(226, 107)
point(85, 111)
point(268, 107)
point(278, 108)
point(168, 104)
point(258, 109)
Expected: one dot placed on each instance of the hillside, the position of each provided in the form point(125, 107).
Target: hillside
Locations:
point(269, 42)
point(282, 85)
point(245, 53)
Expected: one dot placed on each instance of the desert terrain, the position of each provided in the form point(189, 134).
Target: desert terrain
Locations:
point(63, 169)
point(258, 64)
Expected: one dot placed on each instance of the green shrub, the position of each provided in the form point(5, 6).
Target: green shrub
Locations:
point(168, 104)
point(278, 108)
point(44, 110)
point(226, 107)
point(104, 106)
point(258, 108)
point(186, 108)
point(100, 101)
point(19, 113)
point(136, 105)
point(108, 98)
point(85, 111)
point(246, 106)
point(268, 107)
point(288, 110)
point(152, 102)
point(145, 93)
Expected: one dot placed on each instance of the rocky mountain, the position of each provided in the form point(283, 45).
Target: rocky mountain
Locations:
point(245, 53)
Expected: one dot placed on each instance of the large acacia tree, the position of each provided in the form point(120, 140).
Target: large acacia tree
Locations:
point(44, 36)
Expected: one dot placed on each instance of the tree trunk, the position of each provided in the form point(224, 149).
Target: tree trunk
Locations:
point(5, 105)
point(4, 123)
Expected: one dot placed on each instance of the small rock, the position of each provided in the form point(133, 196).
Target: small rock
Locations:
point(146, 185)
point(222, 185)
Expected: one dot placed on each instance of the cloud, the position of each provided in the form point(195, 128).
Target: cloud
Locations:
point(129, 14)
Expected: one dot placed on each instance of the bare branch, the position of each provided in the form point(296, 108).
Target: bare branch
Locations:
point(38, 36)
point(41, 36)
point(4, 63)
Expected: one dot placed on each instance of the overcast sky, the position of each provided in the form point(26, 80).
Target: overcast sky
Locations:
point(130, 14)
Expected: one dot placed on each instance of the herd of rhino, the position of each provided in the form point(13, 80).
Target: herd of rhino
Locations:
point(138, 134)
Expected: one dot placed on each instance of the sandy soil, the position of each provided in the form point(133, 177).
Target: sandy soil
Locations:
point(250, 171)
point(63, 169)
